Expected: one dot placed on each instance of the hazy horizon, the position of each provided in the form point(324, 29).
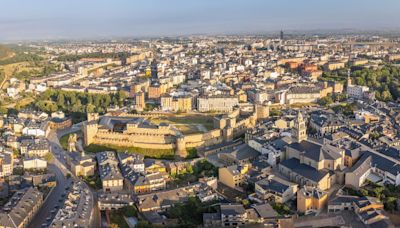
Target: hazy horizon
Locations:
point(74, 19)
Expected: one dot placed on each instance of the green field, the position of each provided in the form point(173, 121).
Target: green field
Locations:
point(187, 124)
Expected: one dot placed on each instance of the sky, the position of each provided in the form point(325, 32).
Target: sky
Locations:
point(80, 19)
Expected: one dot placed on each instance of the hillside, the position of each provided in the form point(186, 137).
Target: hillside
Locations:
point(5, 52)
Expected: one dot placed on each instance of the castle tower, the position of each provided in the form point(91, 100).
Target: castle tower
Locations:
point(92, 117)
point(89, 132)
point(300, 129)
point(181, 151)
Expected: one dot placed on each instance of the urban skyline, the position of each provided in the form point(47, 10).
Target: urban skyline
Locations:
point(208, 113)
point(43, 19)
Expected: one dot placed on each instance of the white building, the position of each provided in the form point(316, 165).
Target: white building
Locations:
point(273, 154)
point(34, 163)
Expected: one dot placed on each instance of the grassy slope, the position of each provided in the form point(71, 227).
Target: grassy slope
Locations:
point(5, 52)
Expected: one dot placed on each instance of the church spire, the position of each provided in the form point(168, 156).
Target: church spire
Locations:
point(348, 77)
point(300, 130)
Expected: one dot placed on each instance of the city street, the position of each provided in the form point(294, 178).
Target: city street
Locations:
point(55, 199)
point(43, 215)
point(61, 155)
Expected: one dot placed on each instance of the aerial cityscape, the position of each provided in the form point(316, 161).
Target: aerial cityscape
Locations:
point(142, 114)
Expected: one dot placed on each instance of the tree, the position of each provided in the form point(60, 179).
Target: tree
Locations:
point(90, 108)
point(386, 96)
point(61, 100)
point(325, 101)
point(363, 192)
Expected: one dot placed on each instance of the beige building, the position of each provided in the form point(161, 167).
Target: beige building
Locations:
point(311, 199)
point(140, 102)
point(233, 176)
point(334, 65)
point(175, 104)
point(81, 165)
point(217, 103)
point(312, 164)
point(303, 94)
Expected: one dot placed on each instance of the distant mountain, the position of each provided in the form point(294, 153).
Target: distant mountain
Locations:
point(5, 52)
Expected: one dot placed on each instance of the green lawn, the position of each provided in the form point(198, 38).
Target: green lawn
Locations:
point(93, 181)
point(117, 216)
point(190, 213)
point(206, 121)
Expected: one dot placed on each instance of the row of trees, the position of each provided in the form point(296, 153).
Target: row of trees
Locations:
point(78, 102)
point(119, 55)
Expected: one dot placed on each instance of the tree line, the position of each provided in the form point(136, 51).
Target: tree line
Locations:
point(73, 58)
point(78, 102)
point(384, 81)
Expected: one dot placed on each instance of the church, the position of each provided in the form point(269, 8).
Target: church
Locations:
point(309, 163)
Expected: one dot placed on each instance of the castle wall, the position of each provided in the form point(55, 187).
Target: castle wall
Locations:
point(204, 139)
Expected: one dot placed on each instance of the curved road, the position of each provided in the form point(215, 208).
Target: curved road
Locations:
point(52, 199)
point(54, 139)
point(57, 166)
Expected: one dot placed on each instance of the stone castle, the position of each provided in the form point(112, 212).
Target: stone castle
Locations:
point(131, 130)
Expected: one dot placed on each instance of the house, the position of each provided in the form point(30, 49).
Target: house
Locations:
point(35, 147)
point(368, 209)
point(162, 200)
point(152, 166)
point(233, 215)
point(134, 161)
point(144, 183)
point(240, 155)
point(275, 189)
point(110, 174)
point(36, 128)
point(114, 200)
point(6, 164)
point(233, 176)
point(274, 150)
point(81, 164)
